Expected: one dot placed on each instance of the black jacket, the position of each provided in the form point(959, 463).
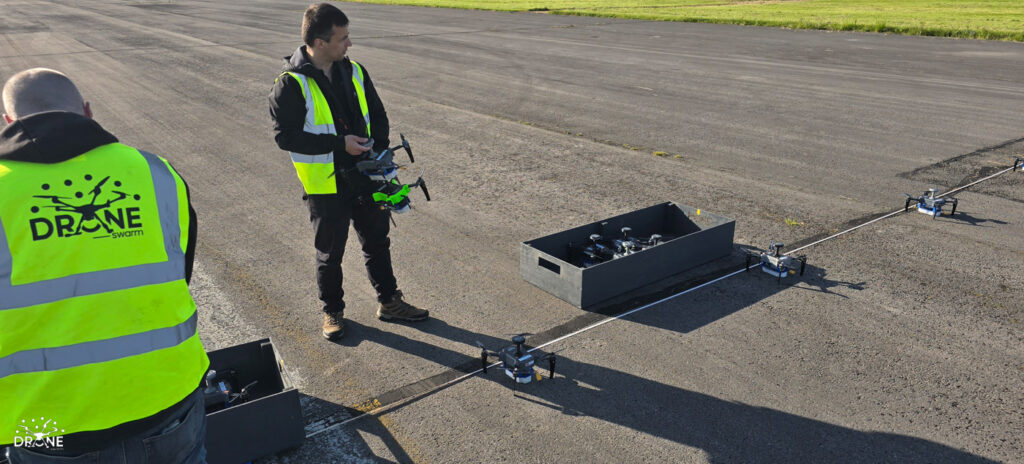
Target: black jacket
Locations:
point(53, 137)
point(288, 110)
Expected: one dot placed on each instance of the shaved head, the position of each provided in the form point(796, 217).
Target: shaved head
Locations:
point(38, 90)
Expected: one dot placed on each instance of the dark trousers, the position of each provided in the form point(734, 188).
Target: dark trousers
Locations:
point(179, 439)
point(372, 226)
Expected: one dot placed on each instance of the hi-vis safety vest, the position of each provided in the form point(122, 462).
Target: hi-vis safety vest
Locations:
point(315, 170)
point(97, 327)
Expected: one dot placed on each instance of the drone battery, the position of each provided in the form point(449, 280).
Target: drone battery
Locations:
point(383, 176)
point(780, 273)
point(521, 378)
point(929, 211)
point(692, 237)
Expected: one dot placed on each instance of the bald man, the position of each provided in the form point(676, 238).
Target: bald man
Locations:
point(100, 358)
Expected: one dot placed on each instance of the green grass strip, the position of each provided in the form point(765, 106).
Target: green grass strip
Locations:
point(970, 19)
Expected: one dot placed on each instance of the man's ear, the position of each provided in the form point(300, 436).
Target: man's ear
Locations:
point(8, 119)
point(86, 110)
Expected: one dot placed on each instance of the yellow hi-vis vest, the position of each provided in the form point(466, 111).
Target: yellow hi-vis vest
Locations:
point(97, 327)
point(315, 171)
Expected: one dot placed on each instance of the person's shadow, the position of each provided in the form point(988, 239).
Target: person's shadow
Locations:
point(726, 430)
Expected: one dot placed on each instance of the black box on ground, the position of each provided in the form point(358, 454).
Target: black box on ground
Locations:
point(270, 421)
point(699, 237)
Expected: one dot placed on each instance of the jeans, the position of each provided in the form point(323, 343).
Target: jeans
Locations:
point(178, 440)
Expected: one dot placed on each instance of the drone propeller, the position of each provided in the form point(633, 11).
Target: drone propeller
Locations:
point(422, 185)
point(483, 356)
point(911, 199)
point(550, 357)
point(751, 256)
point(408, 149)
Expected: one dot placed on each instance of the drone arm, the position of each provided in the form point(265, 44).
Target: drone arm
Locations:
point(910, 199)
point(803, 263)
point(955, 201)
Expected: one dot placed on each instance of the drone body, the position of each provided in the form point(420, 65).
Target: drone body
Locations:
point(931, 204)
point(517, 363)
point(777, 264)
point(380, 167)
point(518, 366)
point(389, 193)
point(600, 250)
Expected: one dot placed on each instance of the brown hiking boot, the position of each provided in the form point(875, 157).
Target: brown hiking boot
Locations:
point(334, 325)
point(398, 309)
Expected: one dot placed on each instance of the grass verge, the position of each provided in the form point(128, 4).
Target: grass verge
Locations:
point(971, 19)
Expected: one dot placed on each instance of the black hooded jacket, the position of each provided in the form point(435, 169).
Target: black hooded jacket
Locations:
point(288, 110)
point(54, 137)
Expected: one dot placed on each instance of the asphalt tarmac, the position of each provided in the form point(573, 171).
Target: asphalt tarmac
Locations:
point(902, 343)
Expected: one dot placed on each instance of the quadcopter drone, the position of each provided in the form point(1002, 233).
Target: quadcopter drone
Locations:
point(219, 392)
point(388, 192)
point(775, 263)
point(517, 362)
point(929, 204)
point(600, 250)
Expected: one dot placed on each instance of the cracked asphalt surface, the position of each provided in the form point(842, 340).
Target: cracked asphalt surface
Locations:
point(902, 343)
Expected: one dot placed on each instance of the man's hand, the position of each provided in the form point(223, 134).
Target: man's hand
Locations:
point(354, 145)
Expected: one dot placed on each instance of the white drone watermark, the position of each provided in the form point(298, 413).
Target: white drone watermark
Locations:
point(38, 433)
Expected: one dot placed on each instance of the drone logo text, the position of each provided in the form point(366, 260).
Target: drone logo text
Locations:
point(86, 211)
point(38, 433)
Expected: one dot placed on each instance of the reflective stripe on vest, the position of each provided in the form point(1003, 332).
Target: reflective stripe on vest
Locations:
point(357, 82)
point(99, 328)
point(315, 171)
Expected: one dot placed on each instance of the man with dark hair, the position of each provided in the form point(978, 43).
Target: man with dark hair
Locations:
point(100, 358)
point(326, 112)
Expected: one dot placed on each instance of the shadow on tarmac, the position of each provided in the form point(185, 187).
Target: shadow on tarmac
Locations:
point(727, 431)
point(971, 220)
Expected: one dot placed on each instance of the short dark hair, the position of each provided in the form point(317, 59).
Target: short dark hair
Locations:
point(319, 20)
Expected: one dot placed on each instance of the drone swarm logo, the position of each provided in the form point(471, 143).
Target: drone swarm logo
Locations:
point(87, 210)
point(38, 433)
